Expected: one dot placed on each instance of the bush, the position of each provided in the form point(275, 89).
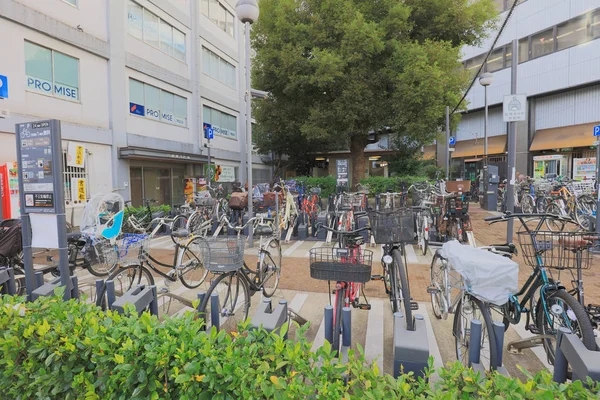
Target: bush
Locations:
point(165, 208)
point(53, 349)
point(326, 183)
point(380, 184)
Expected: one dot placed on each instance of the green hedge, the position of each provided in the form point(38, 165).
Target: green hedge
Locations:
point(380, 184)
point(326, 183)
point(52, 349)
point(165, 208)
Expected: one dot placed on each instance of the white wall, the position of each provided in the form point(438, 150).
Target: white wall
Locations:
point(92, 109)
point(471, 125)
point(89, 15)
point(576, 107)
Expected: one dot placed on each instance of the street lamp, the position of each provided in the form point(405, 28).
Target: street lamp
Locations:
point(247, 12)
point(485, 80)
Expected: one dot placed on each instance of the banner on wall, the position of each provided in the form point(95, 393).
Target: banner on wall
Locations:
point(189, 188)
point(78, 189)
point(584, 168)
point(227, 173)
point(75, 155)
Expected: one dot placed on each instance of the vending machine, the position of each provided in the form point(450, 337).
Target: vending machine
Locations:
point(9, 190)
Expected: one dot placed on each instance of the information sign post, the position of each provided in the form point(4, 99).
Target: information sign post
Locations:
point(41, 188)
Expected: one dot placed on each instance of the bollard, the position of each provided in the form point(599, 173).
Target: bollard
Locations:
point(99, 287)
point(74, 287)
point(499, 333)
point(475, 343)
point(154, 302)
point(11, 284)
point(39, 279)
point(411, 348)
point(346, 326)
point(201, 297)
point(214, 310)
point(328, 320)
point(110, 293)
point(561, 364)
point(377, 202)
point(284, 304)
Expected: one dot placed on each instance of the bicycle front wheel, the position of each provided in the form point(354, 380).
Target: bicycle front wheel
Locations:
point(226, 303)
point(270, 267)
point(438, 287)
point(340, 295)
point(563, 310)
point(192, 272)
point(125, 279)
point(402, 289)
point(527, 205)
point(424, 234)
point(468, 309)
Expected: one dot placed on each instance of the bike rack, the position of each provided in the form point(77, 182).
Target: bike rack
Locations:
point(411, 348)
point(322, 220)
point(47, 289)
point(7, 282)
point(517, 346)
point(346, 330)
point(571, 351)
point(475, 347)
point(140, 297)
point(302, 226)
point(271, 319)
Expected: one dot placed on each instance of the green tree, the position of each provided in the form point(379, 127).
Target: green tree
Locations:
point(339, 68)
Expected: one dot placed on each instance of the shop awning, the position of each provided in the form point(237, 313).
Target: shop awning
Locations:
point(474, 147)
point(474, 159)
point(137, 153)
point(568, 136)
point(429, 152)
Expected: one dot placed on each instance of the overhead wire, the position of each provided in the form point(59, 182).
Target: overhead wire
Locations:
point(510, 12)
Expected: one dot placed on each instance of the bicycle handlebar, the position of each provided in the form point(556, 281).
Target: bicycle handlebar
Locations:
point(506, 217)
point(319, 226)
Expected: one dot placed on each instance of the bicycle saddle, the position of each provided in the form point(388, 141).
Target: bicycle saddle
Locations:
point(180, 233)
point(263, 230)
point(505, 248)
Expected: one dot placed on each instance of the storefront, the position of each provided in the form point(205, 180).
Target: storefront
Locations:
point(467, 157)
point(567, 151)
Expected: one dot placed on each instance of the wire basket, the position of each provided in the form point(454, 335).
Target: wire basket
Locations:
point(393, 227)
point(558, 250)
point(583, 187)
point(352, 200)
point(131, 248)
point(103, 254)
point(223, 253)
point(335, 264)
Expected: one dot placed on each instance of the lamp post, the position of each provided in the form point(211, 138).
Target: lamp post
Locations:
point(247, 13)
point(485, 80)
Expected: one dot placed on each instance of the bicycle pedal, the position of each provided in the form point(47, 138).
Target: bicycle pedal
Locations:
point(364, 306)
point(533, 329)
point(163, 290)
point(377, 277)
point(414, 305)
point(432, 290)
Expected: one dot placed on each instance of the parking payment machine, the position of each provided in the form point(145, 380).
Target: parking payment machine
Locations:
point(491, 179)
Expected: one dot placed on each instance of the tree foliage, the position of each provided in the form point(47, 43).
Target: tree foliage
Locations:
point(339, 68)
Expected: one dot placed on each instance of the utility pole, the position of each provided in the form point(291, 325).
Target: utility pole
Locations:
point(512, 146)
point(447, 143)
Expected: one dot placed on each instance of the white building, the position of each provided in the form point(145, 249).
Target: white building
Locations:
point(133, 81)
point(559, 70)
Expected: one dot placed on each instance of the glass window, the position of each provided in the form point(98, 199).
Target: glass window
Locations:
point(542, 43)
point(508, 55)
point(135, 20)
point(223, 67)
point(151, 28)
point(215, 118)
point(136, 92)
point(213, 11)
point(595, 24)
point(232, 126)
point(231, 76)
point(523, 50)
point(204, 7)
point(38, 62)
point(72, 2)
point(166, 37)
point(474, 63)
point(180, 110)
point(152, 96)
point(178, 45)
point(166, 106)
point(205, 60)
point(214, 65)
point(496, 60)
point(66, 76)
point(222, 18)
point(230, 22)
point(572, 33)
point(206, 115)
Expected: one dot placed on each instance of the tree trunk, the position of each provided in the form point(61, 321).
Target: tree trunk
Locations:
point(357, 154)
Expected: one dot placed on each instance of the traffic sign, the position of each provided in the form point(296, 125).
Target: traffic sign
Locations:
point(3, 87)
point(515, 107)
point(452, 140)
point(208, 131)
point(597, 130)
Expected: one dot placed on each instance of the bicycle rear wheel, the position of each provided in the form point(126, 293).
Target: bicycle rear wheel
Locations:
point(424, 234)
point(231, 305)
point(340, 295)
point(564, 311)
point(192, 274)
point(403, 288)
point(438, 287)
point(468, 309)
point(270, 267)
point(527, 205)
point(125, 279)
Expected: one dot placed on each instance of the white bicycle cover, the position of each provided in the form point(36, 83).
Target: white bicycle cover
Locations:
point(488, 276)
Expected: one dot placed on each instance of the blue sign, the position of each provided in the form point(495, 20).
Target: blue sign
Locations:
point(596, 128)
point(136, 109)
point(452, 140)
point(208, 131)
point(3, 87)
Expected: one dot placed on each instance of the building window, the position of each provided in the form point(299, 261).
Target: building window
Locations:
point(474, 63)
point(523, 50)
point(50, 72)
point(542, 43)
point(572, 33)
point(218, 14)
point(508, 55)
point(217, 68)
point(145, 25)
point(496, 60)
point(71, 2)
point(157, 104)
point(223, 124)
point(595, 25)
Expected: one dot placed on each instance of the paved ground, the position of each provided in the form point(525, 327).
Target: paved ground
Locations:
point(372, 329)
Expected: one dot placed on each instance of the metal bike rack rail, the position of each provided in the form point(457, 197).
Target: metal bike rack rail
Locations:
point(411, 348)
point(7, 282)
point(475, 347)
point(269, 318)
point(140, 297)
point(47, 288)
point(570, 351)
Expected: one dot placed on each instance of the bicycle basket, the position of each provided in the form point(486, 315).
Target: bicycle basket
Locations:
point(222, 254)
point(394, 227)
point(351, 201)
point(102, 253)
point(130, 248)
point(457, 206)
point(583, 187)
point(335, 264)
point(559, 250)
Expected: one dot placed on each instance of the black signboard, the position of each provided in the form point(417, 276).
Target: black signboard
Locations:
point(342, 172)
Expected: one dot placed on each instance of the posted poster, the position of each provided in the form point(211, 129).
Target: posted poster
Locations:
point(584, 168)
point(75, 155)
point(78, 189)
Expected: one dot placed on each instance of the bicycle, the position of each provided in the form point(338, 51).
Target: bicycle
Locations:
point(393, 230)
point(235, 282)
point(545, 250)
point(349, 266)
point(141, 221)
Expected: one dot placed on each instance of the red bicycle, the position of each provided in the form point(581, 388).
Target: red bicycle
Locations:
point(349, 266)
